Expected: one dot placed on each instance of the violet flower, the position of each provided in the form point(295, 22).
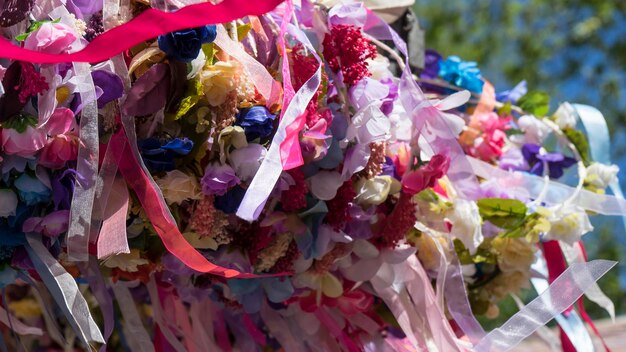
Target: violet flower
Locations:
point(218, 179)
point(431, 64)
point(557, 162)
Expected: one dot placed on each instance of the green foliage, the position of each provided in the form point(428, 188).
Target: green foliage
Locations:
point(504, 213)
point(536, 103)
point(579, 141)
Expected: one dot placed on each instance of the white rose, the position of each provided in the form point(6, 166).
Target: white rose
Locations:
point(178, 187)
point(466, 225)
point(535, 130)
point(600, 175)
point(565, 116)
point(8, 203)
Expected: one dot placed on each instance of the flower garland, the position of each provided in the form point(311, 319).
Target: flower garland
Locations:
point(371, 229)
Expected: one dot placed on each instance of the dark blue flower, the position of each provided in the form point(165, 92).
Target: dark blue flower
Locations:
point(557, 162)
point(464, 74)
point(185, 45)
point(31, 190)
point(229, 202)
point(158, 157)
point(256, 121)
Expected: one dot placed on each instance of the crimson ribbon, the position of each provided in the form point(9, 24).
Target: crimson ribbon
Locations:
point(148, 25)
point(156, 211)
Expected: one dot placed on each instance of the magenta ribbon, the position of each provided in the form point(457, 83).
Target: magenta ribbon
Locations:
point(150, 24)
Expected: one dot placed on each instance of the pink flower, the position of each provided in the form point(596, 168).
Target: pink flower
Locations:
point(416, 181)
point(491, 146)
point(62, 146)
point(51, 38)
point(23, 144)
point(52, 225)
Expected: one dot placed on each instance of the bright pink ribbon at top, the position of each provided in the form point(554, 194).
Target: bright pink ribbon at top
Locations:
point(148, 25)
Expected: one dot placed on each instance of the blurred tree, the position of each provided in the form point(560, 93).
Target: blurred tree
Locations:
point(575, 50)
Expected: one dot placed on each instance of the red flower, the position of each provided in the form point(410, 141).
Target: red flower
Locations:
point(345, 48)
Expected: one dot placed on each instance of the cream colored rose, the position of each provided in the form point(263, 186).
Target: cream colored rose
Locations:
point(568, 224)
point(178, 187)
point(508, 282)
point(218, 80)
point(374, 191)
point(514, 254)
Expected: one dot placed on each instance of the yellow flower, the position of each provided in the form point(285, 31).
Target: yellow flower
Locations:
point(218, 80)
point(233, 136)
point(26, 308)
point(178, 187)
point(514, 254)
point(126, 261)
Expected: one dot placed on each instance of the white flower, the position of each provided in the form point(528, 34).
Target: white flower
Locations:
point(565, 116)
point(568, 224)
point(535, 130)
point(178, 187)
point(466, 225)
point(247, 160)
point(600, 175)
point(8, 202)
point(374, 191)
point(324, 184)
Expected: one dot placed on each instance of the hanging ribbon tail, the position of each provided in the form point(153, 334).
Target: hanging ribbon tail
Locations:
point(132, 326)
point(157, 212)
point(148, 25)
point(563, 292)
point(63, 288)
point(266, 177)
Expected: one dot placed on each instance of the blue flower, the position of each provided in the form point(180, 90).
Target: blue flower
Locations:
point(158, 157)
point(31, 190)
point(557, 162)
point(256, 121)
point(185, 45)
point(250, 292)
point(464, 74)
point(229, 202)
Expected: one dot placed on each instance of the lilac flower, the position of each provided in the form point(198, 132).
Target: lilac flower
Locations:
point(218, 179)
point(557, 162)
point(514, 94)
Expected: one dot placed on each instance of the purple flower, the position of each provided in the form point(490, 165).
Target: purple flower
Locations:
point(62, 189)
point(218, 179)
point(557, 162)
point(431, 64)
point(514, 94)
point(387, 106)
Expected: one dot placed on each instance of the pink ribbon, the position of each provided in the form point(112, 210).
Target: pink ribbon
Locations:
point(150, 24)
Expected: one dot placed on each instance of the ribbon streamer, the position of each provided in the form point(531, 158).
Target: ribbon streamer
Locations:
point(148, 25)
point(64, 290)
point(563, 292)
point(271, 167)
point(138, 338)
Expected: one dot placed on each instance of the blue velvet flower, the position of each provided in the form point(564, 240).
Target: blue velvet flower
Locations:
point(185, 45)
point(257, 122)
point(31, 190)
point(229, 202)
point(158, 157)
point(557, 162)
point(464, 74)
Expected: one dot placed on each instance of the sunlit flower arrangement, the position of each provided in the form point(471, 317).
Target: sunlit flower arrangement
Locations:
point(372, 235)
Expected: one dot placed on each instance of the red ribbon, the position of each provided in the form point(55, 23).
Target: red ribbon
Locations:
point(174, 242)
point(150, 24)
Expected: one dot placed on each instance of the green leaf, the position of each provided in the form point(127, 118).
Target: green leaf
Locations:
point(506, 109)
point(243, 30)
point(20, 122)
point(194, 93)
point(505, 213)
point(513, 131)
point(209, 52)
point(536, 103)
point(579, 140)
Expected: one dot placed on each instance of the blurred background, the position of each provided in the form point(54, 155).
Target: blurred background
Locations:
point(574, 50)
